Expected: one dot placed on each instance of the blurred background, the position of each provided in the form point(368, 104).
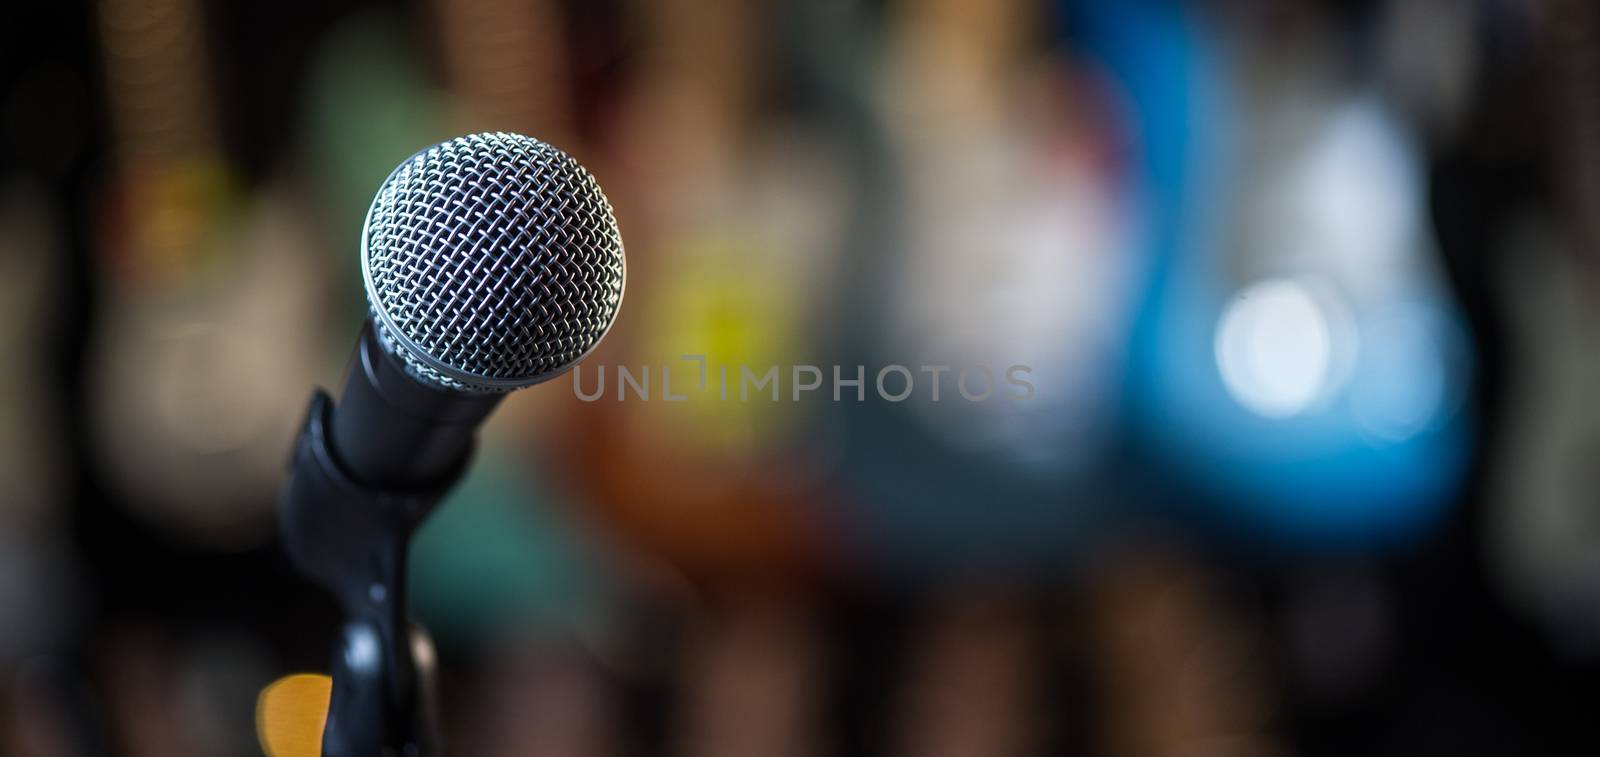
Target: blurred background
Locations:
point(1308, 290)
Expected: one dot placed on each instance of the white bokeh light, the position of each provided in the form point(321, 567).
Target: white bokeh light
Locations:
point(1274, 348)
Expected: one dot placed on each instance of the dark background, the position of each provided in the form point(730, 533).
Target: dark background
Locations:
point(1179, 578)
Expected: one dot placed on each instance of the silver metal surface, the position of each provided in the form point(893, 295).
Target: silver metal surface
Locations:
point(492, 262)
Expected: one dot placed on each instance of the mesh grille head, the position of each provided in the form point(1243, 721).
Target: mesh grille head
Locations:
point(492, 262)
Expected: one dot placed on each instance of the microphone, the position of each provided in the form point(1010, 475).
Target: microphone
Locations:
point(491, 262)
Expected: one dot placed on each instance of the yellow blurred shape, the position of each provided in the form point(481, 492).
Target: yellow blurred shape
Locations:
point(731, 300)
point(290, 715)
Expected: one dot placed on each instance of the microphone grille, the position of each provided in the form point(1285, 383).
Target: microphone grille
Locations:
point(492, 262)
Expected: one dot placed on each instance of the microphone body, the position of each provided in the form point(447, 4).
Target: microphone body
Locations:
point(393, 432)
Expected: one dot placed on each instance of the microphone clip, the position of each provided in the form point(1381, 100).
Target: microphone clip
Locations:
point(352, 539)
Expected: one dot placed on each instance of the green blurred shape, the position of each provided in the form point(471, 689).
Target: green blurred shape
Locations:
point(497, 557)
point(370, 106)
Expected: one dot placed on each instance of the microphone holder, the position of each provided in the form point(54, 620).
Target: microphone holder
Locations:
point(352, 539)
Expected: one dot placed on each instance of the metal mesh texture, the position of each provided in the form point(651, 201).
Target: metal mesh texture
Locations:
point(492, 262)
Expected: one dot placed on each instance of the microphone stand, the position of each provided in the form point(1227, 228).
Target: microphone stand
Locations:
point(352, 539)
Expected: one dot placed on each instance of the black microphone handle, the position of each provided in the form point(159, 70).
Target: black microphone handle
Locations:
point(395, 433)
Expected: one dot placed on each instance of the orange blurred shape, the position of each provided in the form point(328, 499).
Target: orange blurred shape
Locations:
point(290, 715)
point(720, 521)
